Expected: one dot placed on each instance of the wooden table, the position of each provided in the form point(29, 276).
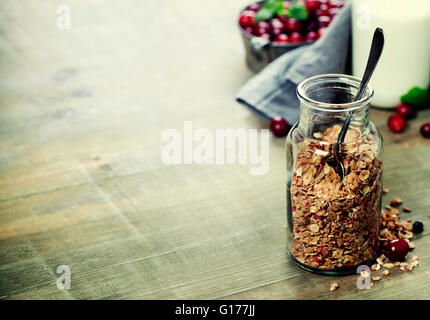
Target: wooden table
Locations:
point(81, 179)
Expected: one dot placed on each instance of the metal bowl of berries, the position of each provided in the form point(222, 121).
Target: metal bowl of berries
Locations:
point(271, 28)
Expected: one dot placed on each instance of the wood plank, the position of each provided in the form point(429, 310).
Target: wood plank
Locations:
point(82, 183)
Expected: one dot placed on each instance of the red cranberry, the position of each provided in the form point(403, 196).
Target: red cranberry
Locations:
point(396, 123)
point(263, 24)
point(292, 25)
point(425, 130)
point(311, 36)
point(397, 249)
point(246, 19)
point(296, 37)
point(278, 126)
point(276, 23)
point(321, 32)
point(275, 32)
point(312, 26)
point(312, 5)
point(266, 36)
point(333, 11)
point(249, 30)
point(322, 10)
point(261, 28)
point(253, 7)
point(282, 38)
point(405, 111)
point(334, 3)
point(324, 21)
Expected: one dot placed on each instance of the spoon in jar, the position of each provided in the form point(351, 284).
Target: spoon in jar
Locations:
point(372, 61)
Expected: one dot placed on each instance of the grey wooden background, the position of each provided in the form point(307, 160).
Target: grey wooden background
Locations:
point(82, 184)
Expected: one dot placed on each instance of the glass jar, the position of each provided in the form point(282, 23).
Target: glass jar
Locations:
point(333, 224)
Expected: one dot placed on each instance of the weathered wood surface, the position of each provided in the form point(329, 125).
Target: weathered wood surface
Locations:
point(82, 184)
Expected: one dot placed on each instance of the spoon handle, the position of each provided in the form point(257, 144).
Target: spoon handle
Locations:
point(374, 55)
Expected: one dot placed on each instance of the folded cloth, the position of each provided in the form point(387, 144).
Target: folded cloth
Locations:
point(272, 92)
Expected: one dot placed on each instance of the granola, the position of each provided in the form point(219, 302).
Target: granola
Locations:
point(336, 223)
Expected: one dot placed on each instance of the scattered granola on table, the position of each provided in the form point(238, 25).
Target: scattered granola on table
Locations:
point(334, 286)
point(336, 223)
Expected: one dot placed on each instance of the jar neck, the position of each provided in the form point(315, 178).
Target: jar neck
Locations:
point(314, 120)
point(328, 100)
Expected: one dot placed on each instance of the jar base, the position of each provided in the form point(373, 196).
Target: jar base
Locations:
point(332, 272)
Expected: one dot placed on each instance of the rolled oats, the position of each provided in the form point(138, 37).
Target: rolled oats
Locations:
point(339, 225)
point(376, 278)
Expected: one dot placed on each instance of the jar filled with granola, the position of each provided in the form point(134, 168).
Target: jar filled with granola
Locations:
point(333, 221)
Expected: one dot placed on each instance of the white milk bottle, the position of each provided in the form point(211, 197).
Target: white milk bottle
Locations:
point(405, 61)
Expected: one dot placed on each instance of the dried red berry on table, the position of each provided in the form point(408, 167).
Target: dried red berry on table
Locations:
point(396, 123)
point(425, 130)
point(246, 19)
point(279, 126)
point(397, 249)
point(405, 111)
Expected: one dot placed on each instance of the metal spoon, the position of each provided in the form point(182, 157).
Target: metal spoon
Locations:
point(375, 53)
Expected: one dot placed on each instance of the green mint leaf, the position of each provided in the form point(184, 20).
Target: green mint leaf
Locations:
point(417, 97)
point(298, 11)
point(280, 10)
point(264, 14)
point(269, 4)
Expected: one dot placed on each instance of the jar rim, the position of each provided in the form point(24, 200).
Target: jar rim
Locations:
point(334, 107)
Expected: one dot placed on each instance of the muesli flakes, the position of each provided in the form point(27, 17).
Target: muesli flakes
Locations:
point(385, 273)
point(396, 201)
point(339, 225)
point(334, 286)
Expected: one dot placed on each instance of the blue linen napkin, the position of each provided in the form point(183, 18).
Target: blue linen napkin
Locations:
point(272, 92)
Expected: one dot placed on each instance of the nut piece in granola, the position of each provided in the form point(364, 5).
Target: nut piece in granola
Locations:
point(396, 201)
point(334, 286)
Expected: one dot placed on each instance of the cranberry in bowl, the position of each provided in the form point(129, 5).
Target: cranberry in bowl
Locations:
point(272, 27)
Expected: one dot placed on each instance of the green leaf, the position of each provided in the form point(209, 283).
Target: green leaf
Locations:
point(298, 11)
point(268, 10)
point(417, 97)
point(269, 4)
point(263, 14)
